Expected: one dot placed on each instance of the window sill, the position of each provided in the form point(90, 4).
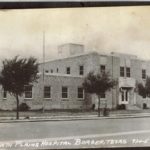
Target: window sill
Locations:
point(28, 98)
point(65, 99)
point(47, 99)
point(80, 99)
point(125, 77)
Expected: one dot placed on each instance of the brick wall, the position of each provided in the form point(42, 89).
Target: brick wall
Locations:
point(56, 80)
point(56, 101)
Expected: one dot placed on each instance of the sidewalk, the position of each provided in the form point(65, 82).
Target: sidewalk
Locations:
point(72, 118)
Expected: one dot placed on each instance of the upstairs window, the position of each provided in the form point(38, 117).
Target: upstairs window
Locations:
point(80, 92)
point(121, 71)
point(64, 92)
point(28, 91)
point(68, 70)
point(51, 70)
point(128, 72)
point(46, 71)
point(47, 92)
point(81, 70)
point(57, 70)
point(143, 74)
point(102, 68)
point(144, 96)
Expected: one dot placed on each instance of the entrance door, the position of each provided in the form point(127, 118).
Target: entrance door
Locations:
point(124, 96)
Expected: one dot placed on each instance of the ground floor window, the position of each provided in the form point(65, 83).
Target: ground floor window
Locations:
point(81, 70)
point(64, 92)
point(47, 92)
point(80, 92)
point(28, 91)
point(4, 94)
point(103, 95)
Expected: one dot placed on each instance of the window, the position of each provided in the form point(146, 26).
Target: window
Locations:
point(68, 70)
point(102, 68)
point(126, 95)
point(47, 92)
point(143, 74)
point(28, 91)
point(51, 70)
point(46, 71)
point(4, 94)
point(122, 71)
point(57, 70)
point(128, 72)
point(103, 95)
point(144, 96)
point(64, 92)
point(80, 92)
point(81, 70)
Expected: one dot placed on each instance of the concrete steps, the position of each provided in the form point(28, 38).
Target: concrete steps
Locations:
point(132, 107)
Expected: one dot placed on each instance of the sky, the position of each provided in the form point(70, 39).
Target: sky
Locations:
point(101, 29)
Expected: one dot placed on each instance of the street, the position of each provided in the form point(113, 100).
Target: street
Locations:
point(76, 134)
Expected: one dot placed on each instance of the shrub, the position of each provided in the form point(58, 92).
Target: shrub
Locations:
point(121, 107)
point(23, 107)
point(144, 106)
point(106, 111)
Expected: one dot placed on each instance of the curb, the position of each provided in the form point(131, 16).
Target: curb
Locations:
point(73, 119)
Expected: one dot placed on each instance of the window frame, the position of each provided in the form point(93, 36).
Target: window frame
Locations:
point(46, 71)
point(81, 70)
point(49, 91)
point(128, 72)
point(122, 71)
point(102, 68)
point(67, 92)
point(143, 73)
point(68, 71)
point(57, 70)
point(104, 95)
point(83, 93)
point(28, 91)
point(4, 92)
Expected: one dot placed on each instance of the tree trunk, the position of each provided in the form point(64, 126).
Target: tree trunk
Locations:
point(17, 110)
point(98, 106)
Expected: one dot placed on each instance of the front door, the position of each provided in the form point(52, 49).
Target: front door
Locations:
point(124, 96)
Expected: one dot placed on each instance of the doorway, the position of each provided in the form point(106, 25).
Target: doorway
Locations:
point(125, 95)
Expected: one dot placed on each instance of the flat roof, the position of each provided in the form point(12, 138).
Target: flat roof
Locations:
point(97, 53)
point(78, 55)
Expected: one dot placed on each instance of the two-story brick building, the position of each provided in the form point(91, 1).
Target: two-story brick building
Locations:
point(60, 82)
